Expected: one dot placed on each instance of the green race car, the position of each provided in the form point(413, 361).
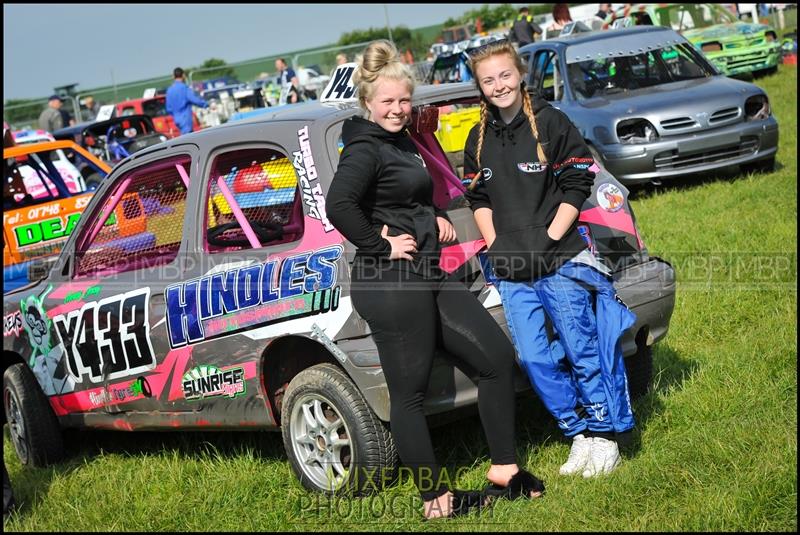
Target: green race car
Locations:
point(733, 46)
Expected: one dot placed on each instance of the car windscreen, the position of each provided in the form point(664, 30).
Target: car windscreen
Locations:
point(687, 16)
point(155, 108)
point(602, 76)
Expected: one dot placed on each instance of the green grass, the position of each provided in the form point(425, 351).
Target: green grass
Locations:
point(715, 447)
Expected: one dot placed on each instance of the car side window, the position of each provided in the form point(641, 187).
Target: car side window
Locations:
point(253, 201)
point(128, 111)
point(140, 224)
point(547, 76)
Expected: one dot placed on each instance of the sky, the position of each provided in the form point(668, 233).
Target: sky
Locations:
point(50, 45)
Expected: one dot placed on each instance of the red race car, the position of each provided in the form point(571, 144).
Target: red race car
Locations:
point(155, 108)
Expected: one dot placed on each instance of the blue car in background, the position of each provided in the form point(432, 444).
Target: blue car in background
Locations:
point(651, 106)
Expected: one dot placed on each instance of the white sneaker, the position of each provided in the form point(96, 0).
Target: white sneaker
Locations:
point(604, 457)
point(578, 456)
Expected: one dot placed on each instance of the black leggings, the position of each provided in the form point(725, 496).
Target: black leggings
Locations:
point(408, 315)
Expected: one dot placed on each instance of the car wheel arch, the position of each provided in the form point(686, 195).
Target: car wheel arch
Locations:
point(283, 359)
point(10, 358)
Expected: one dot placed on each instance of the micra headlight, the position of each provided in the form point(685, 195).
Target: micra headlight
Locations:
point(713, 46)
point(756, 108)
point(632, 131)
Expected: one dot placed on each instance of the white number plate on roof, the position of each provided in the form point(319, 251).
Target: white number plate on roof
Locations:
point(340, 88)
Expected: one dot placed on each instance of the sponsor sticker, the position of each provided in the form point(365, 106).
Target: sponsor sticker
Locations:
point(532, 167)
point(209, 381)
point(303, 161)
point(270, 289)
point(610, 197)
point(12, 324)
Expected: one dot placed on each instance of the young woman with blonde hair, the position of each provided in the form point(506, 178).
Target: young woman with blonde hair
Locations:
point(381, 199)
point(529, 171)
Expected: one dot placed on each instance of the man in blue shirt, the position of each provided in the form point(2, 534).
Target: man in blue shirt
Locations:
point(179, 102)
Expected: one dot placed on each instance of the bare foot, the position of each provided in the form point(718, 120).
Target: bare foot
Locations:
point(440, 506)
point(501, 474)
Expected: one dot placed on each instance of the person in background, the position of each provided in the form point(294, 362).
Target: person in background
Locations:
point(523, 29)
point(90, 108)
point(341, 58)
point(603, 11)
point(286, 77)
point(529, 171)
point(180, 99)
point(381, 200)
point(561, 17)
point(51, 119)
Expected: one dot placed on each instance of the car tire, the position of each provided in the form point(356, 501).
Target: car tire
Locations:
point(760, 166)
point(639, 368)
point(355, 455)
point(33, 426)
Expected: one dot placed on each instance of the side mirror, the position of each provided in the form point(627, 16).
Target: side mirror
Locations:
point(40, 268)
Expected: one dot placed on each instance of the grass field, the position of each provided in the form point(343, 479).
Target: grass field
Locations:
point(715, 446)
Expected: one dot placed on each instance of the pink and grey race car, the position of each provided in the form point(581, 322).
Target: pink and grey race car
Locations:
point(228, 306)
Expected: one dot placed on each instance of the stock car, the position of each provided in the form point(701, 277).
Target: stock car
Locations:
point(233, 311)
point(156, 108)
point(112, 140)
point(733, 46)
point(650, 106)
point(34, 185)
point(43, 198)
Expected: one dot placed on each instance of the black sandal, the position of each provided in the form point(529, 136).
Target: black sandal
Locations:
point(521, 485)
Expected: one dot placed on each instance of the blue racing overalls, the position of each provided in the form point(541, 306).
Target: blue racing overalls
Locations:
point(583, 366)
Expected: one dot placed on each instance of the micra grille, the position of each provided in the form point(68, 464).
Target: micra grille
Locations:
point(678, 122)
point(672, 160)
point(724, 115)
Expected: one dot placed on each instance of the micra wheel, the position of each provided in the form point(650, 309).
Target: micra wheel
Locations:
point(639, 368)
point(33, 426)
point(334, 441)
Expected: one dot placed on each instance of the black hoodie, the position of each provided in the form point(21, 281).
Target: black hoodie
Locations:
point(382, 180)
point(525, 194)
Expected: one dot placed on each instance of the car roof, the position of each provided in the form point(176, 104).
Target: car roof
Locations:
point(622, 41)
point(72, 130)
point(600, 35)
point(141, 99)
point(28, 136)
point(308, 112)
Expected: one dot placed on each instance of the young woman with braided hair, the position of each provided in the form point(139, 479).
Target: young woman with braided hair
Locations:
point(526, 206)
point(381, 199)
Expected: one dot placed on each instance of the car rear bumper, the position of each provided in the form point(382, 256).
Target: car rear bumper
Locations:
point(686, 154)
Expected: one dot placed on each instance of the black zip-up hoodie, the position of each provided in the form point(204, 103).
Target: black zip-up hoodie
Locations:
point(382, 180)
point(524, 194)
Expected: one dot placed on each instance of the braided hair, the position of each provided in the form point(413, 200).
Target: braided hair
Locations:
point(484, 53)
